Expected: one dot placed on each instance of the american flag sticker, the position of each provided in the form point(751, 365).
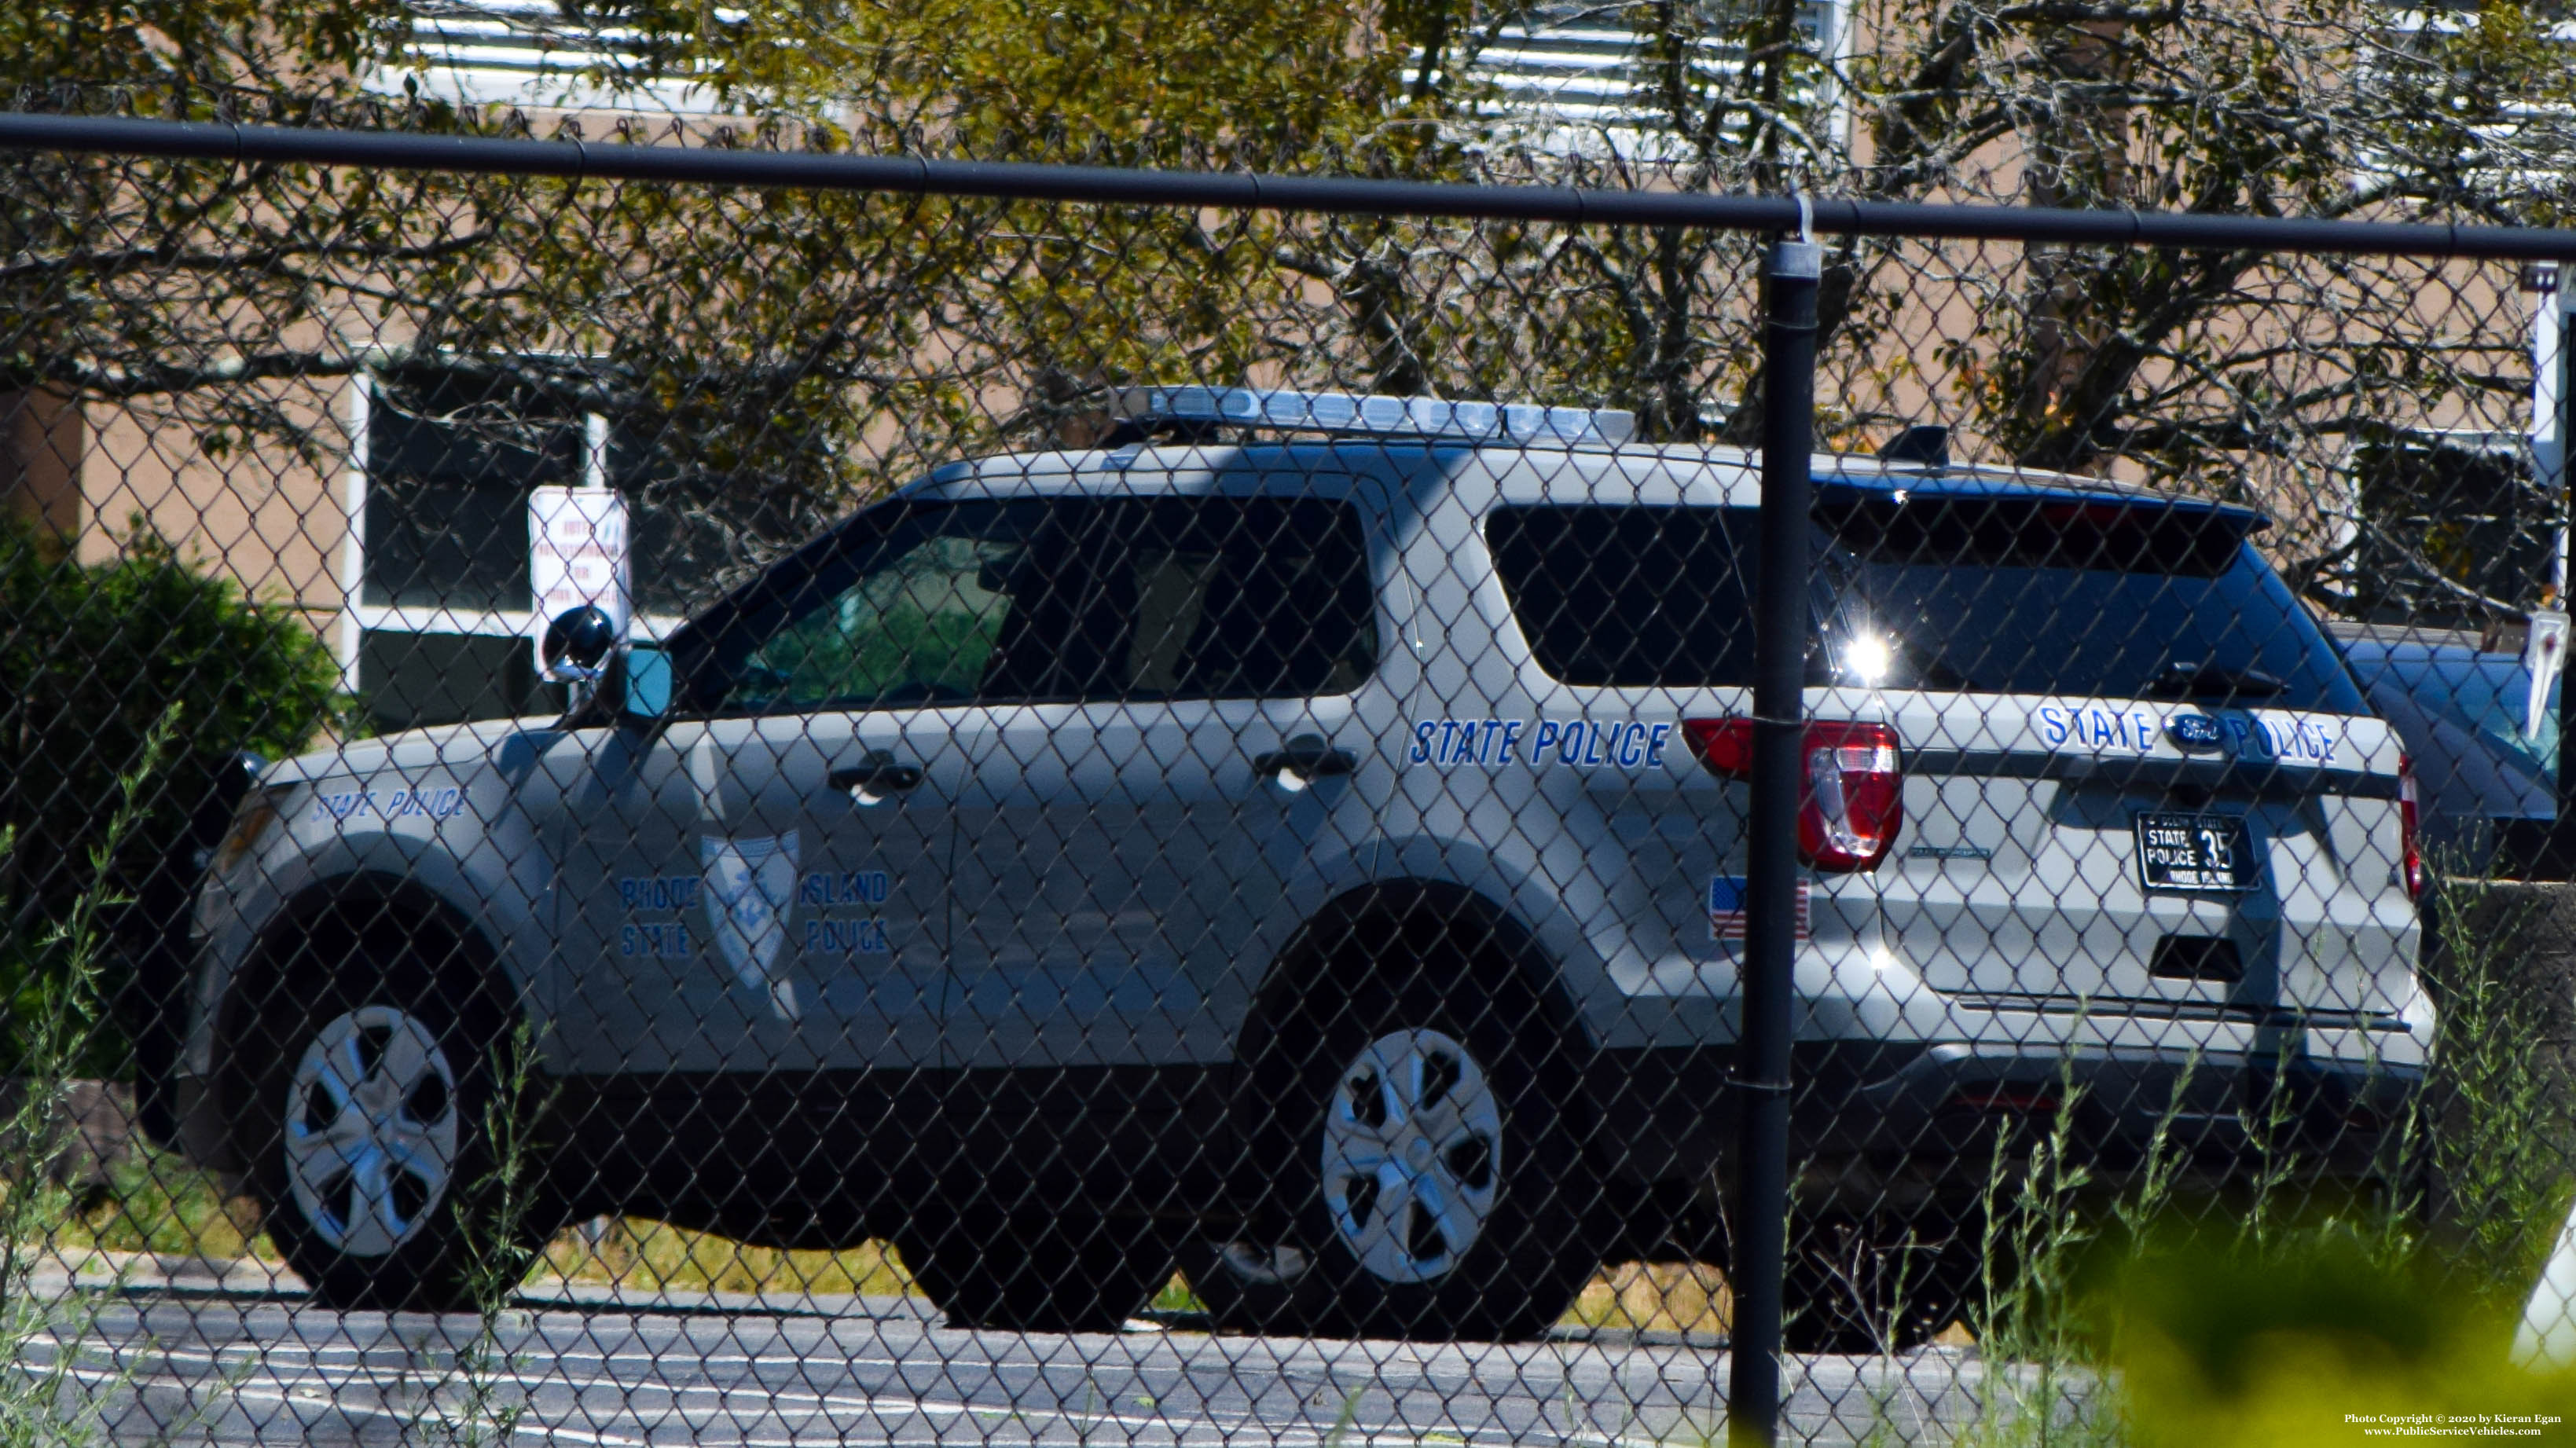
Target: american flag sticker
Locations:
point(1727, 916)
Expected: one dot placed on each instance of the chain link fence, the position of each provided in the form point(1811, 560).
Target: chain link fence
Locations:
point(719, 793)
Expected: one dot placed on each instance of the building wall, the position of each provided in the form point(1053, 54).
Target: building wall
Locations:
point(41, 446)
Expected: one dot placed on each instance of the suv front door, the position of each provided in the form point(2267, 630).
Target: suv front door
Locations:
point(764, 886)
point(1117, 846)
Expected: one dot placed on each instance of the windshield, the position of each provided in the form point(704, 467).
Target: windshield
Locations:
point(2015, 594)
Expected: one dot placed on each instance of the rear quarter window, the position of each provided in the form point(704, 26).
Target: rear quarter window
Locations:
point(1631, 597)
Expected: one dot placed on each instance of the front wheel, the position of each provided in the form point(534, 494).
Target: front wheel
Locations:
point(1435, 1189)
point(370, 1107)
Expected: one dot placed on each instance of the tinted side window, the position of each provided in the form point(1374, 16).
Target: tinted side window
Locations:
point(1631, 597)
point(1190, 598)
point(1060, 600)
point(1249, 598)
point(2016, 595)
point(914, 618)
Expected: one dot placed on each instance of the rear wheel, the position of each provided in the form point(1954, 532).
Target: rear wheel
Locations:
point(367, 1107)
point(1028, 1270)
point(1430, 1186)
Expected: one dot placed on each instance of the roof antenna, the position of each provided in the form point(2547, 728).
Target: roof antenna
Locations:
point(1926, 443)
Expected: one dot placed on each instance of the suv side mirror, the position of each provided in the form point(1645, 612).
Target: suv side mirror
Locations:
point(646, 696)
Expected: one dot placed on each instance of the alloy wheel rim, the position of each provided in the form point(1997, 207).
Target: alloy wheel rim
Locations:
point(371, 1130)
point(1412, 1156)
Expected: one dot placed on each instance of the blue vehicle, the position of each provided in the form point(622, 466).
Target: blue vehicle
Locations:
point(2488, 789)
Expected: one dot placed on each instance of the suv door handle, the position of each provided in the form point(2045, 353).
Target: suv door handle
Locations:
point(877, 774)
point(1307, 757)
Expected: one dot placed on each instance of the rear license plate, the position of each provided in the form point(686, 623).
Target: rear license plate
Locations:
point(2196, 852)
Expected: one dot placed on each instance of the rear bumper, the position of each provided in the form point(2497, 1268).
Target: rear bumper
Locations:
point(1932, 1114)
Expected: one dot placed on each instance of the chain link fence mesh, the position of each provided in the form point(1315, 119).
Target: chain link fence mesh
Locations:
point(1146, 836)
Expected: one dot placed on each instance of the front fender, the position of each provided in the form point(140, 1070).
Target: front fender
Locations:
point(483, 865)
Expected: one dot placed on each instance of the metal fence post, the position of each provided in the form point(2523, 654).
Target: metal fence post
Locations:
point(2560, 857)
point(1779, 684)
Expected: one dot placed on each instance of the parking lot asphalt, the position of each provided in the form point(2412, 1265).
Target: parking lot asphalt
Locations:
point(233, 1367)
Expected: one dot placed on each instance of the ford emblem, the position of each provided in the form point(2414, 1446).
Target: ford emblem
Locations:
point(2192, 732)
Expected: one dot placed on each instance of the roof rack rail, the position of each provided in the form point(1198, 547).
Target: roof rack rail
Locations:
point(1356, 412)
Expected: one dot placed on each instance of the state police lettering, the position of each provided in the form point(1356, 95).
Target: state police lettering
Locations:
point(657, 938)
point(2305, 739)
point(1577, 743)
point(846, 935)
point(392, 804)
point(2098, 726)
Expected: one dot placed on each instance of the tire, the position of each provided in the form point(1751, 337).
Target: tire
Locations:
point(1871, 1285)
point(367, 1094)
point(1028, 1270)
point(1429, 1184)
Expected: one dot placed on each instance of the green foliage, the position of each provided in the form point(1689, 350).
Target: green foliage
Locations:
point(53, 1024)
point(476, 1401)
point(2498, 1123)
point(189, 58)
point(775, 357)
point(95, 658)
point(2157, 1307)
point(2221, 1341)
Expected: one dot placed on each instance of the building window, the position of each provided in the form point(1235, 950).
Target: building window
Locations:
point(1568, 77)
point(440, 626)
point(530, 53)
point(2451, 528)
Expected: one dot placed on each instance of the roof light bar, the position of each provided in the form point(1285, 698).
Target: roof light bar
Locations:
point(1375, 413)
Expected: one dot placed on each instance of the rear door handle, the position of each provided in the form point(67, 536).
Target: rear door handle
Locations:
point(1308, 757)
point(877, 774)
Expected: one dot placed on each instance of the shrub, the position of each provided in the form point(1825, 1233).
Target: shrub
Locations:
point(91, 656)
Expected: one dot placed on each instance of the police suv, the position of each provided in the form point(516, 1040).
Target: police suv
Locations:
point(1304, 840)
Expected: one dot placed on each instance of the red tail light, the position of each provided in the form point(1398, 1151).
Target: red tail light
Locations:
point(2408, 796)
point(1851, 800)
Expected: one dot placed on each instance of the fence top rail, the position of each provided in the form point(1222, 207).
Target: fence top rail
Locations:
point(913, 175)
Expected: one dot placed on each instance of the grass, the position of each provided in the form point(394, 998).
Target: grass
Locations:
point(154, 1202)
point(1654, 1297)
point(2277, 1312)
point(157, 1204)
point(44, 1401)
point(637, 1254)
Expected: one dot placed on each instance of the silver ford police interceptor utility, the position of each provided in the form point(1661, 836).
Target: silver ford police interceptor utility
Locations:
point(1303, 840)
